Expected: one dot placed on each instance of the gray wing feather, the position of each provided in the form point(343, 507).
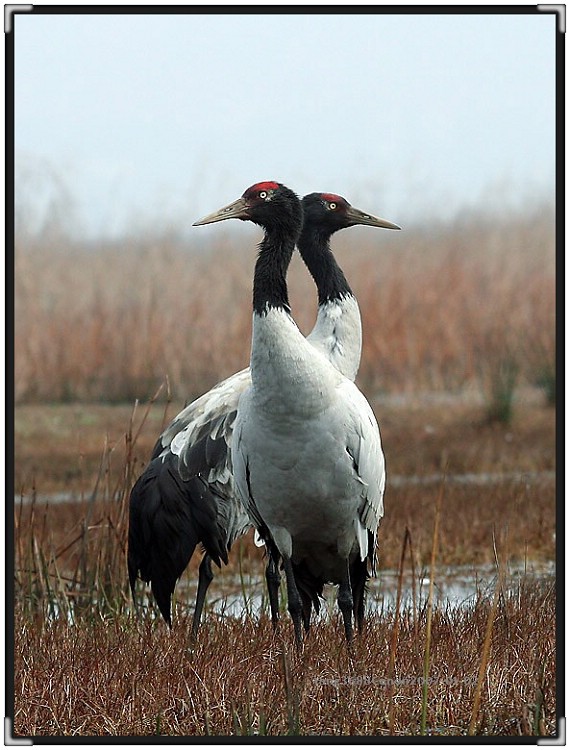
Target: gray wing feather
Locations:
point(207, 413)
point(201, 434)
point(240, 459)
point(365, 446)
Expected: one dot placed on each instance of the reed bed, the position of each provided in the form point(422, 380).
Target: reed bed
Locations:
point(445, 307)
point(451, 309)
point(70, 557)
point(118, 676)
point(87, 664)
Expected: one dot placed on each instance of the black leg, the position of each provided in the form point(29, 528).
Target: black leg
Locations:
point(359, 610)
point(273, 582)
point(294, 604)
point(346, 604)
point(307, 606)
point(205, 578)
point(358, 578)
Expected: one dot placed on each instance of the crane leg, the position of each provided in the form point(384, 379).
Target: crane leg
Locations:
point(358, 576)
point(294, 603)
point(346, 604)
point(273, 581)
point(205, 578)
point(307, 607)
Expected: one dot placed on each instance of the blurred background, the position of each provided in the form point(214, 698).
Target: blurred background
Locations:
point(130, 127)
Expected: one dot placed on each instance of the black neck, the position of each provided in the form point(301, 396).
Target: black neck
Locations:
point(315, 250)
point(269, 281)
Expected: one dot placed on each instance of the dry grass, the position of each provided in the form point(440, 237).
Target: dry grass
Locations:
point(75, 552)
point(84, 665)
point(59, 446)
point(442, 308)
point(114, 677)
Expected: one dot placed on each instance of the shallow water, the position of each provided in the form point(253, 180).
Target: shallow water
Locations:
point(454, 586)
point(484, 478)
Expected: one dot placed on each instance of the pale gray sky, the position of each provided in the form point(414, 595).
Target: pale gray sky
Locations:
point(154, 120)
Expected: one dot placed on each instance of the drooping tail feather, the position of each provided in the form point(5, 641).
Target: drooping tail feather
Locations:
point(168, 518)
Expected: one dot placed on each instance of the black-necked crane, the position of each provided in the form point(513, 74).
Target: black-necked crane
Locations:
point(190, 473)
point(306, 450)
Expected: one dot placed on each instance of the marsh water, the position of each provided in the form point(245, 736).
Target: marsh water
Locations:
point(454, 586)
point(483, 478)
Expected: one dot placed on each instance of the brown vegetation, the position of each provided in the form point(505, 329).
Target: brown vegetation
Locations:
point(59, 446)
point(85, 665)
point(117, 677)
point(419, 441)
point(442, 309)
point(462, 317)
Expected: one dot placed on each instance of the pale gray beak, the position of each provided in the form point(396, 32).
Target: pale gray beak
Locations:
point(357, 216)
point(235, 210)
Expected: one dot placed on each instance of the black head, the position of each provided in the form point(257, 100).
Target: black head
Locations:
point(329, 212)
point(269, 204)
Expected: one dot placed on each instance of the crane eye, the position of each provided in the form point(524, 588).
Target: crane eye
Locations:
point(332, 206)
point(263, 194)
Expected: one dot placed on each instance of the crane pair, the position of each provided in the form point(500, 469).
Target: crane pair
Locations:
point(289, 445)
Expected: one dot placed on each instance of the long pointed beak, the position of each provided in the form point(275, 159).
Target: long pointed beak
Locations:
point(235, 210)
point(357, 216)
